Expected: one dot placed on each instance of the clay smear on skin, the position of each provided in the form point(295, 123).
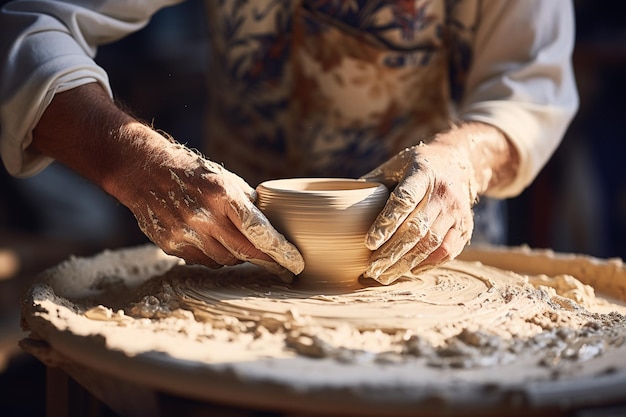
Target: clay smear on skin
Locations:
point(462, 315)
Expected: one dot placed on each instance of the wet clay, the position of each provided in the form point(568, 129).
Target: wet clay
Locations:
point(464, 314)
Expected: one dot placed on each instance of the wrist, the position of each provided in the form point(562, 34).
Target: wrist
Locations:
point(83, 129)
point(130, 155)
point(493, 158)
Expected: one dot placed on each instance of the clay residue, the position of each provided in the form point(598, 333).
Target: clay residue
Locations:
point(462, 315)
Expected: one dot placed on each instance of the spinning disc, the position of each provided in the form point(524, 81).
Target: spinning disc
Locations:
point(458, 338)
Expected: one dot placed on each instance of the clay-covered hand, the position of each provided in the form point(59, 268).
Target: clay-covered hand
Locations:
point(428, 217)
point(196, 209)
point(187, 205)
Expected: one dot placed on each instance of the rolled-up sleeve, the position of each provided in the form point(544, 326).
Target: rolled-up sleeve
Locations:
point(48, 47)
point(522, 81)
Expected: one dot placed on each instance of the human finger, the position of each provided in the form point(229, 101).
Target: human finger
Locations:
point(194, 256)
point(453, 243)
point(411, 232)
point(412, 257)
point(253, 224)
point(420, 251)
point(446, 251)
point(197, 244)
point(409, 196)
point(392, 171)
point(231, 238)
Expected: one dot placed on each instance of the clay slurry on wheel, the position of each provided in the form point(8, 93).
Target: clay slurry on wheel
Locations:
point(411, 338)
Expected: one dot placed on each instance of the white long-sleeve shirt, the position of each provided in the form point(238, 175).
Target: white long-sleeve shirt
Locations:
point(318, 88)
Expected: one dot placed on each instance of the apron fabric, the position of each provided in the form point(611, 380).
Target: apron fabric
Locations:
point(332, 88)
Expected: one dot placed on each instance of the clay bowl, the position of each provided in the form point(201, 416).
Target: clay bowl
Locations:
point(327, 219)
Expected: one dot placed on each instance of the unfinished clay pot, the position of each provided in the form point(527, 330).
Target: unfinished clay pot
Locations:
point(327, 219)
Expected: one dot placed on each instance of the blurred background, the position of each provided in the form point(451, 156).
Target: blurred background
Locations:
point(577, 204)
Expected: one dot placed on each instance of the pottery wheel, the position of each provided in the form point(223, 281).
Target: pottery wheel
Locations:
point(466, 336)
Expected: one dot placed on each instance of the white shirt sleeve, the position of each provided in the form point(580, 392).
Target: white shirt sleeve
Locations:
point(48, 47)
point(522, 81)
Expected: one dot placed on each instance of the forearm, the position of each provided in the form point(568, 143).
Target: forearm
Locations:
point(83, 129)
point(47, 47)
point(493, 158)
point(189, 206)
point(527, 90)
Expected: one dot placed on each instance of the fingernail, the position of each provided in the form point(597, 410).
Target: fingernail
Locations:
point(287, 256)
point(374, 239)
point(298, 266)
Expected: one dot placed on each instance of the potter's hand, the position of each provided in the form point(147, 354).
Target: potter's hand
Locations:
point(428, 217)
point(189, 206)
point(195, 209)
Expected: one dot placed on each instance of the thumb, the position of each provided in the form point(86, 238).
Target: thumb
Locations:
point(391, 172)
point(410, 195)
point(259, 231)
